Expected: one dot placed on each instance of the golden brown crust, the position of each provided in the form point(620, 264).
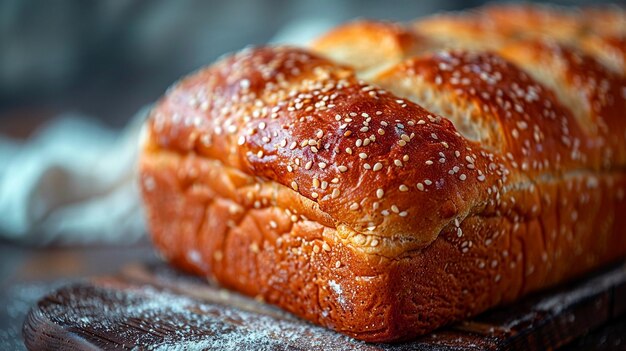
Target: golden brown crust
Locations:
point(455, 181)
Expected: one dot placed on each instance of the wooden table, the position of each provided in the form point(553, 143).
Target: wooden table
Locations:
point(132, 280)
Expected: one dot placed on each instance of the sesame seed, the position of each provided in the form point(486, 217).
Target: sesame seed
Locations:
point(367, 166)
point(294, 186)
point(342, 169)
point(429, 162)
point(427, 182)
point(405, 137)
point(273, 225)
point(380, 193)
point(337, 264)
point(381, 131)
point(316, 249)
point(326, 247)
point(401, 142)
point(314, 195)
point(405, 158)
point(395, 209)
point(462, 177)
point(335, 194)
point(319, 134)
point(308, 165)
point(378, 166)
point(434, 136)
point(397, 163)
point(316, 183)
point(262, 125)
point(314, 149)
point(403, 188)
point(403, 214)
point(354, 206)
point(322, 165)
point(363, 155)
point(289, 168)
point(349, 150)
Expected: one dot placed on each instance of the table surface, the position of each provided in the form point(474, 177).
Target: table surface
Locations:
point(29, 273)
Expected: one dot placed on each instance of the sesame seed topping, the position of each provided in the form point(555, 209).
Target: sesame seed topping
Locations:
point(342, 168)
point(367, 166)
point(380, 193)
point(316, 183)
point(395, 209)
point(337, 264)
point(462, 177)
point(354, 206)
point(429, 162)
point(381, 131)
point(377, 166)
point(335, 194)
point(322, 165)
point(363, 155)
point(294, 186)
point(403, 214)
point(403, 187)
point(397, 163)
point(326, 247)
point(420, 186)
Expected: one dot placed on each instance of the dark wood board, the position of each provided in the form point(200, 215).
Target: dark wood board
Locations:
point(151, 306)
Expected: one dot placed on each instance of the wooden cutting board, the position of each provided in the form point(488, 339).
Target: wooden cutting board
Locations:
point(151, 306)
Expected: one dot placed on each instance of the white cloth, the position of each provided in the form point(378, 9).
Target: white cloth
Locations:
point(73, 182)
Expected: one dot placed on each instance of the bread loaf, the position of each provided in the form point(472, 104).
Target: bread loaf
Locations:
point(393, 179)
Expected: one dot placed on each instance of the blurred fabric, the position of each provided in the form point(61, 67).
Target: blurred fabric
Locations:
point(73, 179)
point(73, 182)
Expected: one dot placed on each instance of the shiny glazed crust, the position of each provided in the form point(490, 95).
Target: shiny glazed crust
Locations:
point(394, 179)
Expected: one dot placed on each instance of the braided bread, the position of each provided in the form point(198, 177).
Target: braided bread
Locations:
point(392, 179)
